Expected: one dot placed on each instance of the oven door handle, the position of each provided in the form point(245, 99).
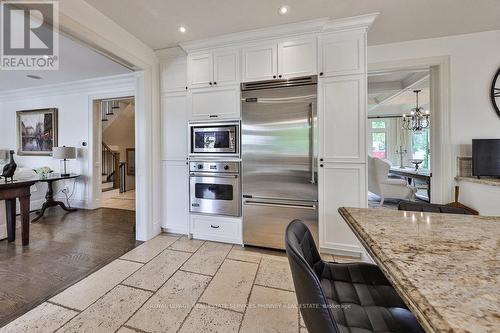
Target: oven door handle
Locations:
point(211, 175)
point(278, 204)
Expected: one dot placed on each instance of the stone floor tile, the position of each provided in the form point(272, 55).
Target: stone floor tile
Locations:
point(167, 309)
point(275, 273)
point(231, 285)
point(44, 318)
point(211, 320)
point(186, 244)
point(153, 274)
point(126, 330)
point(150, 249)
point(271, 310)
point(109, 313)
point(208, 258)
point(85, 292)
point(253, 254)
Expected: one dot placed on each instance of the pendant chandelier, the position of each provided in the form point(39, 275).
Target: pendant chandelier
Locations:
point(418, 118)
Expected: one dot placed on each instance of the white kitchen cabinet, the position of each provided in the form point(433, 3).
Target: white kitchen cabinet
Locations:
point(297, 57)
point(214, 103)
point(174, 126)
point(260, 62)
point(340, 185)
point(213, 68)
point(175, 197)
point(342, 54)
point(226, 67)
point(173, 74)
point(342, 119)
point(200, 69)
point(217, 228)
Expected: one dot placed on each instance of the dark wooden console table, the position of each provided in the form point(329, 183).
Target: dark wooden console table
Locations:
point(49, 197)
point(411, 173)
point(10, 191)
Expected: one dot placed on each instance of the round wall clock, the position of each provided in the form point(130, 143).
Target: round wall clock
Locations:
point(495, 92)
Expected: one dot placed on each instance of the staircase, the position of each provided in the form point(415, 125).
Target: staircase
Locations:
point(110, 168)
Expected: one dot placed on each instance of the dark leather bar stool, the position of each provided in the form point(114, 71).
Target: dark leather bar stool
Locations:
point(343, 298)
point(431, 208)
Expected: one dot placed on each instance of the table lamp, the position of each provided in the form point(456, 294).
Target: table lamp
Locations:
point(64, 154)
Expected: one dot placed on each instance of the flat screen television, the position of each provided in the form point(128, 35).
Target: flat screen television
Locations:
point(486, 157)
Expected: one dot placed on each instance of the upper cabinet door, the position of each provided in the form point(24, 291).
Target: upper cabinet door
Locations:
point(214, 103)
point(342, 54)
point(226, 67)
point(297, 58)
point(174, 126)
point(342, 119)
point(200, 69)
point(260, 62)
point(174, 74)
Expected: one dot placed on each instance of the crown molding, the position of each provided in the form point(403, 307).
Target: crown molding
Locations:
point(280, 31)
point(169, 53)
point(115, 82)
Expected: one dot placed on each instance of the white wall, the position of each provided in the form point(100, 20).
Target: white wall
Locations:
point(72, 101)
point(474, 59)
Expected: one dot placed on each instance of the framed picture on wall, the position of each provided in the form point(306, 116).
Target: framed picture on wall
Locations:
point(36, 132)
point(131, 161)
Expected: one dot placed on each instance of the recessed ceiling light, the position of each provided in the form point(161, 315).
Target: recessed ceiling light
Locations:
point(284, 10)
point(34, 77)
point(182, 29)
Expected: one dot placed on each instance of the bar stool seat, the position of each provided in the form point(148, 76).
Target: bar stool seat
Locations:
point(343, 297)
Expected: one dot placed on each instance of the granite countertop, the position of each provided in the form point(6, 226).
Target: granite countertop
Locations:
point(445, 267)
point(485, 181)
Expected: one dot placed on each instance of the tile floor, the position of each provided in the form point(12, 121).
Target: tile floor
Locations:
point(173, 284)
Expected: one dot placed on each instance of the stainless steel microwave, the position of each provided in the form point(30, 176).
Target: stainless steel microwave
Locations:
point(214, 139)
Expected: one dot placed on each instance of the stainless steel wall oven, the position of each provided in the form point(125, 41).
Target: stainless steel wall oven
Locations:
point(215, 187)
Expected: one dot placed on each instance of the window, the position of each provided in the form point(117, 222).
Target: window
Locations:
point(378, 138)
point(420, 147)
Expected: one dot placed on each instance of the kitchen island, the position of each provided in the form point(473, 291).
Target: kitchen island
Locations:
point(445, 267)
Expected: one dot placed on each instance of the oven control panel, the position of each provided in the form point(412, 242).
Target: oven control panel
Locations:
point(216, 166)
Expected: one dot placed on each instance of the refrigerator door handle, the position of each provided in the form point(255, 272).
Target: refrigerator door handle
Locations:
point(310, 119)
point(279, 204)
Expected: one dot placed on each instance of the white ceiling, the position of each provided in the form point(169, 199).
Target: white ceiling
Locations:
point(76, 62)
point(156, 22)
point(391, 93)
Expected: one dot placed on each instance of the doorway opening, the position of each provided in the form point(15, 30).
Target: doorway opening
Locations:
point(399, 153)
point(116, 117)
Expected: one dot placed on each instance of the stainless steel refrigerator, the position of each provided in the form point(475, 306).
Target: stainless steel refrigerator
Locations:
point(279, 164)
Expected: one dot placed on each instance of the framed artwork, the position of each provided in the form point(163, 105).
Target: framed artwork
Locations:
point(130, 161)
point(36, 132)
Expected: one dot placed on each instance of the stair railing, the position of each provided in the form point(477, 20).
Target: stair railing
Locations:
point(110, 165)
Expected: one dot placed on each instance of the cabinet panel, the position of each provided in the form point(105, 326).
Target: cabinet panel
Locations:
point(342, 54)
point(226, 67)
point(342, 119)
point(260, 62)
point(174, 126)
point(340, 185)
point(214, 103)
point(217, 228)
point(297, 58)
point(199, 69)
point(175, 196)
point(174, 74)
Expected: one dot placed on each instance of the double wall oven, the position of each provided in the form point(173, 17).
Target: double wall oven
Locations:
point(214, 171)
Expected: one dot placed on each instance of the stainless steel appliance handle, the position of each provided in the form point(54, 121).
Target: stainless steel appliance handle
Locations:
point(213, 175)
point(310, 119)
point(277, 204)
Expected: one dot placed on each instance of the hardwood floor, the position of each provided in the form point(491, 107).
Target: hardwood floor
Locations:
point(64, 248)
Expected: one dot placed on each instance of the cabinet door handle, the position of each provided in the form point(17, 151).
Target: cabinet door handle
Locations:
point(213, 116)
point(186, 88)
point(321, 74)
point(274, 76)
point(210, 83)
point(215, 83)
point(321, 159)
point(279, 76)
point(321, 165)
point(214, 226)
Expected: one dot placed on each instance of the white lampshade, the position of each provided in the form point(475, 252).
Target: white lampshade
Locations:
point(61, 153)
